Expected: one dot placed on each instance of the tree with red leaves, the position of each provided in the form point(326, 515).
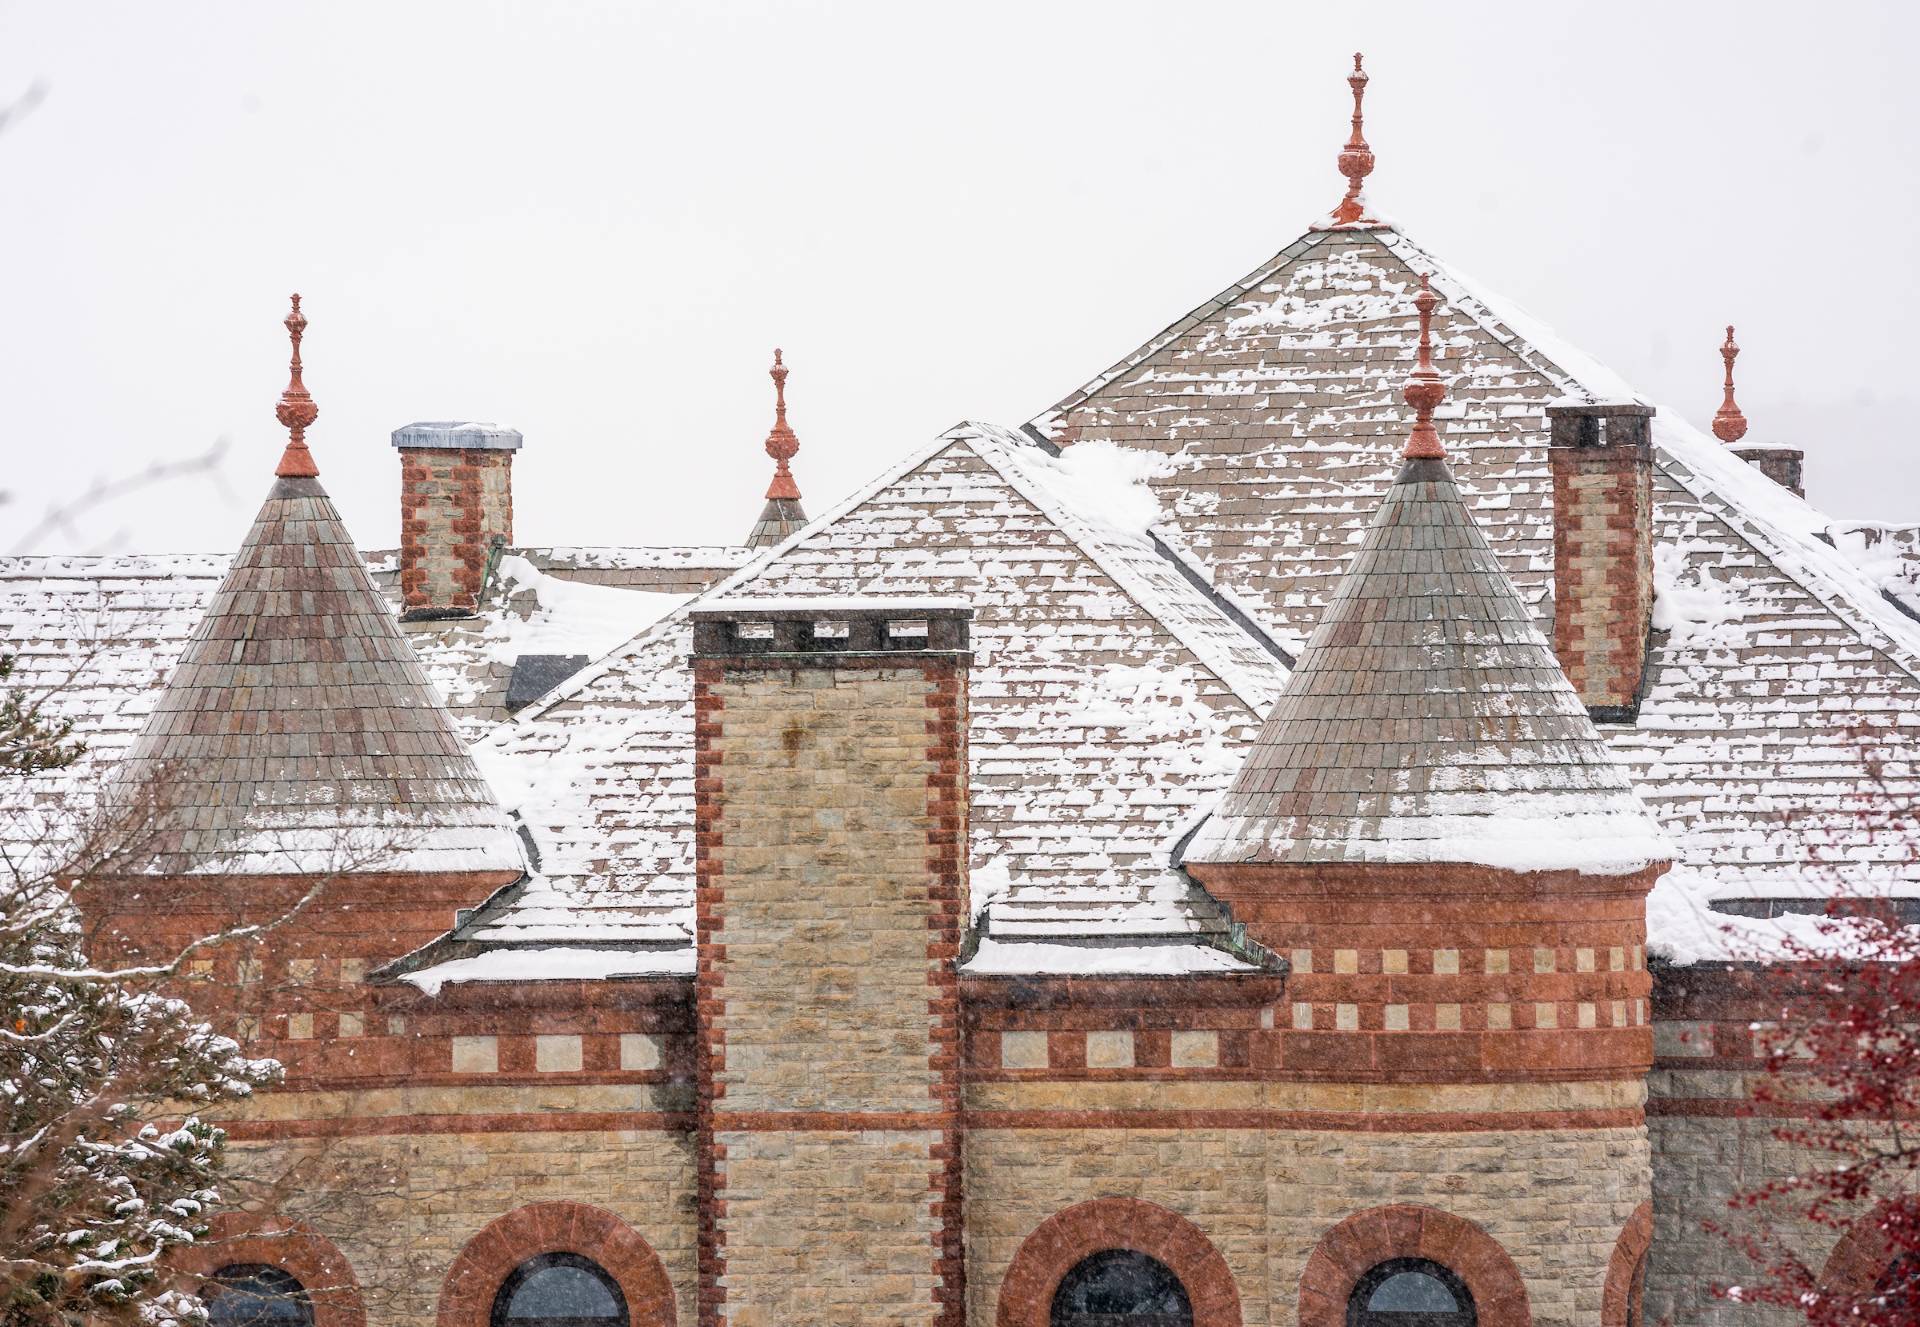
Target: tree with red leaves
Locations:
point(1843, 1058)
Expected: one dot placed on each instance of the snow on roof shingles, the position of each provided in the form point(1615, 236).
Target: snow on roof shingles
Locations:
point(1107, 696)
point(1275, 405)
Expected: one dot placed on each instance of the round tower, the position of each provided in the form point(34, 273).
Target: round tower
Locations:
point(1434, 834)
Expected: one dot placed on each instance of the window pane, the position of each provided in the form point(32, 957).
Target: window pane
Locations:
point(1119, 1286)
point(1412, 1292)
point(256, 1295)
point(562, 1288)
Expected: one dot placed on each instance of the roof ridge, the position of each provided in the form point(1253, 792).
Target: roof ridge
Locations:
point(1097, 547)
point(1172, 331)
point(1530, 340)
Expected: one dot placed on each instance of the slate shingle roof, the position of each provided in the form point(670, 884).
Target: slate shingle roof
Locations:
point(298, 732)
point(1108, 696)
point(1784, 691)
point(1427, 720)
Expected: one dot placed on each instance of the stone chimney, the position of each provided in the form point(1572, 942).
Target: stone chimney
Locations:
point(1777, 461)
point(456, 512)
point(830, 834)
point(1602, 456)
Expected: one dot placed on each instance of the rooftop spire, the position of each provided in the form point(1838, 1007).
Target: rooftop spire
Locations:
point(782, 515)
point(1424, 390)
point(1356, 158)
point(1729, 425)
point(296, 409)
point(782, 443)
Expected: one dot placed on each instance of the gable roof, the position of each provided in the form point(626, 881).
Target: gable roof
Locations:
point(298, 731)
point(1780, 681)
point(1107, 695)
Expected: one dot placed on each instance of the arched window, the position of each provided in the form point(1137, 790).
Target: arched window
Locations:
point(257, 1295)
point(1120, 1288)
point(1410, 1292)
point(1637, 1294)
point(559, 1290)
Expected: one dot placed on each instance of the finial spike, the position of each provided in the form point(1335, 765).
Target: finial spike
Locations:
point(1424, 390)
point(296, 409)
point(1729, 425)
point(1356, 158)
point(782, 443)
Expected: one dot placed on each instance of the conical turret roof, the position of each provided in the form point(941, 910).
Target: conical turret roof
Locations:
point(299, 733)
point(1427, 719)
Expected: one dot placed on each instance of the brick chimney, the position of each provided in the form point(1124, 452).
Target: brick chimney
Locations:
point(830, 846)
point(1602, 456)
point(456, 509)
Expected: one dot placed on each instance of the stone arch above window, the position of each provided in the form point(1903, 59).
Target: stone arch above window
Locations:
point(585, 1233)
point(310, 1259)
point(1348, 1252)
point(1626, 1271)
point(1864, 1262)
point(1067, 1241)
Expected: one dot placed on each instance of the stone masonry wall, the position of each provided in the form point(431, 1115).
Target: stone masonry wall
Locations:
point(829, 900)
point(403, 1206)
point(452, 505)
point(1556, 1200)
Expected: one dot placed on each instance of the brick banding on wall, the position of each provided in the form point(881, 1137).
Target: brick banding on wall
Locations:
point(482, 1267)
point(1402, 1230)
point(1063, 1240)
point(1617, 1306)
point(293, 1246)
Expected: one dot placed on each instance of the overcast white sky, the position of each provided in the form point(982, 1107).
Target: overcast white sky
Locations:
point(594, 221)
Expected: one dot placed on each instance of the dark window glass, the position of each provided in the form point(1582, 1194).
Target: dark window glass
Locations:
point(257, 1295)
point(559, 1290)
point(1120, 1288)
point(1410, 1292)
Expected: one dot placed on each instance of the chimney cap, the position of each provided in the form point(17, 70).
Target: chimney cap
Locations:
point(1574, 407)
point(457, 435)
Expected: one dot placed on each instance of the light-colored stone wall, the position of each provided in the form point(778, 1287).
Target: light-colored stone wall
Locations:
point(828, 1006)
point(401, 1207)
point(830, 1228)
point(1701, 1161)
point(825, 890)
point(1556, 1200)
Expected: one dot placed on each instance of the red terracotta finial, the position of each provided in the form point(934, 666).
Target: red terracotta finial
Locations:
point(1424, 390)
point(1356, 158)
point(782, 443)
point(296, 409)
point(1729, 425)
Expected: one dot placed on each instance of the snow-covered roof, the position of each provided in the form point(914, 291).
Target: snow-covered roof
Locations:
point(1782, 698)
point(1109, 691)
point(298, 732)
point(1137, 598)
point(1428, 721)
